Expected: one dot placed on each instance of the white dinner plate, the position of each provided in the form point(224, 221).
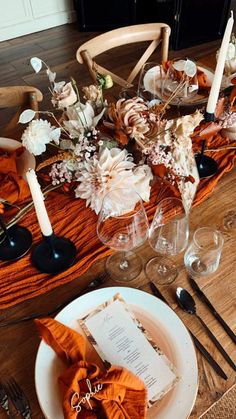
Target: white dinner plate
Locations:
point(164, 326)
point(25, 161)
point(152, 83)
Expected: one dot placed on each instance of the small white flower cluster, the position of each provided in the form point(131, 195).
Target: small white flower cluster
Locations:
point(160, 154)
point(228, 119)
point(87, 145)
point(60, 173)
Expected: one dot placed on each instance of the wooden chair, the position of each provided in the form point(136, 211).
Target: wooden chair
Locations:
point(158, 33)
point(20, 97)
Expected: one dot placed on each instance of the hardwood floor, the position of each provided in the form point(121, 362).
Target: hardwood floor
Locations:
point(57, 47)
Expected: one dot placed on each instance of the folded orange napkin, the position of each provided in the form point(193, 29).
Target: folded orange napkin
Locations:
point(13, 188)
point(117, 394)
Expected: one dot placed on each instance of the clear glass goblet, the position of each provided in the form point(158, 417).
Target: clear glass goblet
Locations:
point(229, 220)
point(202, 256)
point(150, 82)
point(123, 225)
point(180, 83)
point(168, 236)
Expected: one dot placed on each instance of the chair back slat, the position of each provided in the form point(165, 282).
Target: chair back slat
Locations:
point(158, 33)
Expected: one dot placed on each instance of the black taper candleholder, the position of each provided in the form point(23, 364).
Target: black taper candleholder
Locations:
point(206, 165)
point(54, 254)
point(15, 241)
point(209, 117)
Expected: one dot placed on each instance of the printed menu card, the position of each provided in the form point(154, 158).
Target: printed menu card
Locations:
point(120, 339)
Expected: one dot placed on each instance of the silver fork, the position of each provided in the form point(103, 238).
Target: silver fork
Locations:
point(18, 398)
point(4, 402)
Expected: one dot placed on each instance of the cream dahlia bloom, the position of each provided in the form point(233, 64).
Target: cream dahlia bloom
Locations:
point(113, 169)
point(39, 133)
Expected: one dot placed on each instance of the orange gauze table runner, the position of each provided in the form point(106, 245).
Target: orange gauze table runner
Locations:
point(70, 218)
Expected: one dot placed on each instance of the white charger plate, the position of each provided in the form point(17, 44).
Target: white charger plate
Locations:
point(152, 83)
point(25, 161)
point(164, 326)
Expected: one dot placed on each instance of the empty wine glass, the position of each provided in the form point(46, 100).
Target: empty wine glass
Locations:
point(168, 236)
point(123, 225)
point(202, 256)
point(229, 220)
point(150, 82)
point(180, 84)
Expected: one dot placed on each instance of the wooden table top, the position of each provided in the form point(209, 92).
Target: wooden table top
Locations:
point(19, 343)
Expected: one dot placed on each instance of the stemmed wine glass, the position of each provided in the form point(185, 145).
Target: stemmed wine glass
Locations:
point(123, 225)
point(150, 82)
point(168, 236)
point(180, 83)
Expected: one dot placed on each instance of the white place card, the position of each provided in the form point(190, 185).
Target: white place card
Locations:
point(120, 339)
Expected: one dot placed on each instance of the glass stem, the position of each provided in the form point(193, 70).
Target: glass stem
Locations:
point(123, 262)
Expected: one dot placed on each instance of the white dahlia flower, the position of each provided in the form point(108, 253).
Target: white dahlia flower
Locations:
point(113, 169)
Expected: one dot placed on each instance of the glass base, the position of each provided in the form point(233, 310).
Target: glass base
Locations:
point(229, 220)
point(123, 267)
point(161, 270)
point(17, 243)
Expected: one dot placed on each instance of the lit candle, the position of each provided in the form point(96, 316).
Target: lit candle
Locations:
point(215, 88)
point(38, 200)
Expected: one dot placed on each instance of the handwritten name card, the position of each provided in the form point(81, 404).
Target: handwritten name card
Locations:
point(120, 339)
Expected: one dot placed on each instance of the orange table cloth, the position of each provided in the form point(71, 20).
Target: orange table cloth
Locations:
point(70, 218)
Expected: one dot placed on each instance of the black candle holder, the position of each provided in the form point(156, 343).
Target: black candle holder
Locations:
point(206, 165)
point(15, 241)
point(209, 117)
point(54, 254)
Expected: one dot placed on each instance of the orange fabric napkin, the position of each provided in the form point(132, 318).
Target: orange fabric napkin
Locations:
point(13, 188)
point(222, 150)
point(122, 396)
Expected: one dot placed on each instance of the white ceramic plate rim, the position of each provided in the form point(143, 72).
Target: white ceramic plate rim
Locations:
point(25, 161)
point(184, 394)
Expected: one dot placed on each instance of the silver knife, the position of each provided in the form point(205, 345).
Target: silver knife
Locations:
point(204, 298)
point(197, 342)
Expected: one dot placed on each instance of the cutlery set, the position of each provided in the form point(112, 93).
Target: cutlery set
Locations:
point(10, 391)
point(187, 303)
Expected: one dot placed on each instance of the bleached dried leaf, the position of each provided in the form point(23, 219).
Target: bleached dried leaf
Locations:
point(190, 68)
point(36, 63)
point(27, 116)
point(56, 133)
point(179, 65)
point(51, 75)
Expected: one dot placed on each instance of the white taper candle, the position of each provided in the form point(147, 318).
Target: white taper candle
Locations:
point(38, 201)
point(215, 88)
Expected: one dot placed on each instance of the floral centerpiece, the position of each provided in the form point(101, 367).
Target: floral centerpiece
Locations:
point(96, 142)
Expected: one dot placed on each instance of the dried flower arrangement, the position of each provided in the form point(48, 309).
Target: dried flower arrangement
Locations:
point(94, 139)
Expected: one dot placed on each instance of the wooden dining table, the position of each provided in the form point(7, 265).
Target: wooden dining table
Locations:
point(19, 343)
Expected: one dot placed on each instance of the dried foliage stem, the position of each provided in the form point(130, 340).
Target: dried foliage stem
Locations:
point(23, 211)
point(220, 149)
